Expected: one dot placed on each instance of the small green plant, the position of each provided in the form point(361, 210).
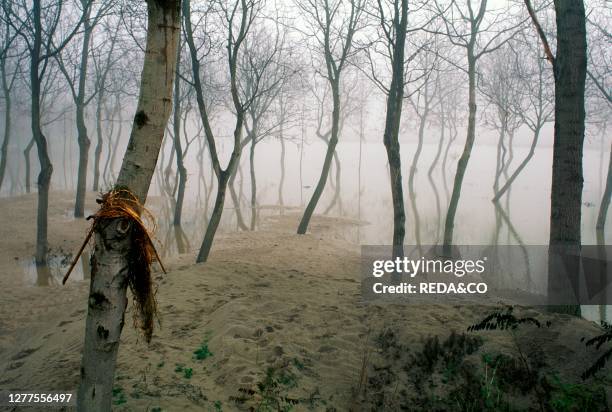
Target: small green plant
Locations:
point(187, 373)
point(161, 364)
point(218, 406)
point(202, 352)
point(118, 396)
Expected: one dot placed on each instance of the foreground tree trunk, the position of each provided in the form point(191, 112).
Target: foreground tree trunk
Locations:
point(567, 179)
point(113, 241)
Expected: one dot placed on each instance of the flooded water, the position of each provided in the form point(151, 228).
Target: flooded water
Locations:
point(526, 205)
point(57, 266)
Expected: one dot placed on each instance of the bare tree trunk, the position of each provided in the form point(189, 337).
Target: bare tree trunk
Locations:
point(302, 131)
point(281, 183)
point(82, 137)
point(500, 158)
point(236, 201)
point(432, 168)
point(46, 168)
point(7, 119)
point(99, 140)
point(26, 155)
point(521, 166)
point(215, 218)
point(253, 177)
point(331, 147)
point(336, 186)
point(180, 164)
point(113, 240)
point(359, 174)
point(465, 156)
point(451, 140)
point(605, 201)
point(109, 166)
point(413, 169)
point(567, 177)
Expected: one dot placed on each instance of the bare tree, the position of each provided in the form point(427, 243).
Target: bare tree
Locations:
point(332, 28)
point(103, 66)
point(535, 106)
point(238, 18)
point(395, 34)
point(478, 33)
point(76, 71)
point(112, 266)
point(499, 84)
point(8, 76)
point(37, 24)
point(263, 67)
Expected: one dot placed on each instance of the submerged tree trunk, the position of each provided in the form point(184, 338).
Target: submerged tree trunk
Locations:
point(432, 168)
point(567, 176)
point(451, 140)
point(534, 143)
point(412, 193)
point(465, 156)
point(113, 240)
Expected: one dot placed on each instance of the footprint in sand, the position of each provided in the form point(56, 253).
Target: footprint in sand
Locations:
point(24, 353)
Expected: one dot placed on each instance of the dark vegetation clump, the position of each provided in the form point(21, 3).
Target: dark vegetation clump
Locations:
point(278, 389)
point(457, 373)
point(598, 341)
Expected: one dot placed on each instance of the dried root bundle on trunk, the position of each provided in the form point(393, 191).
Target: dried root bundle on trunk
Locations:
point(121, 207)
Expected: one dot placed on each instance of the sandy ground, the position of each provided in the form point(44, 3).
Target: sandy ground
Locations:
point(266, 299)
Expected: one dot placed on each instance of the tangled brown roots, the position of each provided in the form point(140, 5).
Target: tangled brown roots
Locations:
point(123, 204)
